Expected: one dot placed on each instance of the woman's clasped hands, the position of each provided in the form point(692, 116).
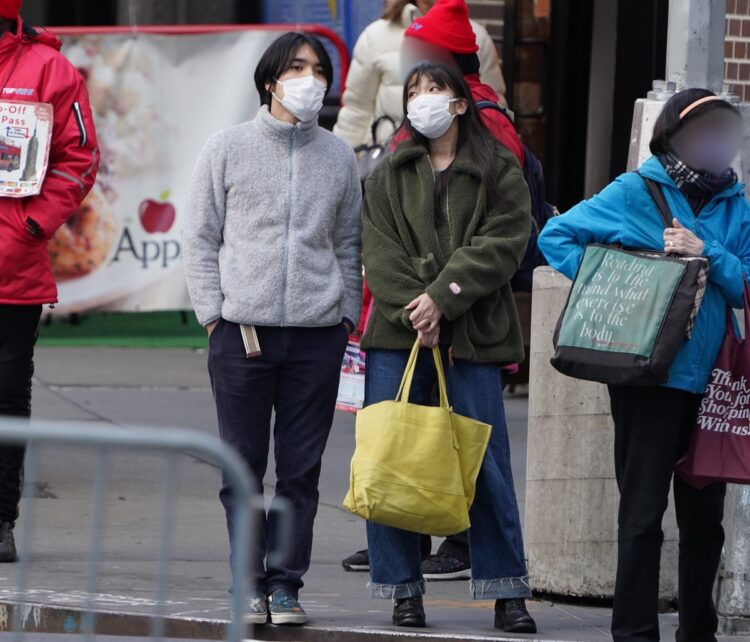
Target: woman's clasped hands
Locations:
point(425, 318)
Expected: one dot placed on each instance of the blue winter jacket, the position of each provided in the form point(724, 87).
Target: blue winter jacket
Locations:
point(625, 213)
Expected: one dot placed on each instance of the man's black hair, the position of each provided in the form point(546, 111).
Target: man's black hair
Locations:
point(669, 123)
point(278, 58)
point(467, 63)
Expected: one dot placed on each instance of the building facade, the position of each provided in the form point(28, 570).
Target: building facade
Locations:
point(737, 47)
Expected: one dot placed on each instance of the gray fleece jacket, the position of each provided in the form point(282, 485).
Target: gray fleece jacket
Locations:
point(272, 234)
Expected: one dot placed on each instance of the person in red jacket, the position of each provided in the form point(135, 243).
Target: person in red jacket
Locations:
point(32, 70)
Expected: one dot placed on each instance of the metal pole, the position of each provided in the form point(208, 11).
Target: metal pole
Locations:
point(695, 43)
point(734, 577)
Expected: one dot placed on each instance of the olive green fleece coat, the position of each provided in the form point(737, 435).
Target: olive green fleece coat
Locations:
point(402, 256)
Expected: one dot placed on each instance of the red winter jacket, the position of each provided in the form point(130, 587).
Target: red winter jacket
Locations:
point(33, 69)
point(498, 123)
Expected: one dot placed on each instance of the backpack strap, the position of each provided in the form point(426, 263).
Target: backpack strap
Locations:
point(488, 104)
point(661, 203)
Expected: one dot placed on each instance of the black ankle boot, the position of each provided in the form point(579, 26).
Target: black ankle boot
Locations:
point(409, 612)
point(512, 617)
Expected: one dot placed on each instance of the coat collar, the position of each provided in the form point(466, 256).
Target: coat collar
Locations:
point(412, 151)
point(654, 170)
point(273, 128)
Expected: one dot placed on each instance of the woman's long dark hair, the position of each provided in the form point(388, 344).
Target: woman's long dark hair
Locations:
point(472, 134)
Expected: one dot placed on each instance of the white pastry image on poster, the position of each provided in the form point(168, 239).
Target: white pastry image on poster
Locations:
point(86, 252)
point(25, 136)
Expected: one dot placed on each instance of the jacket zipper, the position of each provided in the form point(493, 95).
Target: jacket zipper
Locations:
point(704, 339)
point(285, 268)
point(448, 219)
point(436, 214)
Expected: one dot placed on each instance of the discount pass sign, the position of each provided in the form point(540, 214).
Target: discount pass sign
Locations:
point(25, 136)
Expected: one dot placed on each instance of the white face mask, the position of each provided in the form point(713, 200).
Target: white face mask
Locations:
point(430, 114)
point(303, 97)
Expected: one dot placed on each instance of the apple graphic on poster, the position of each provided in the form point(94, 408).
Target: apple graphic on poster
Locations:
point(157, 216)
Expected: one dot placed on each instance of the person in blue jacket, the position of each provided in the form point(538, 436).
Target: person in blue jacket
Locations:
point(695, 140)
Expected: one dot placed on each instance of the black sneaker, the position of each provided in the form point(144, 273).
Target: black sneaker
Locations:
point(409, 611)
point(7, 543)
point(445, 567)
point(358, 562)
point(512, 617)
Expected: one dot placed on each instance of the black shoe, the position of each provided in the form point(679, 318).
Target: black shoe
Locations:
point(512, 617)
point(445, 567)
point(409, 612)
point(360, 561)
point(7, 543)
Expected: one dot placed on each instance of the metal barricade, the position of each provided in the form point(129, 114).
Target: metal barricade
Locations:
point(172, 444)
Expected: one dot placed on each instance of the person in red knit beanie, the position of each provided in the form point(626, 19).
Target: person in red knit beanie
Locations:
point(444, 35)
point(446, 26)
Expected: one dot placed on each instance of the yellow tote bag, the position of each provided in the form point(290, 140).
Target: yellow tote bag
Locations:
point(415, 467)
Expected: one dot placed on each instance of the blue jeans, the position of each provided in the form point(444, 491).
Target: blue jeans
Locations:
point(498, 565)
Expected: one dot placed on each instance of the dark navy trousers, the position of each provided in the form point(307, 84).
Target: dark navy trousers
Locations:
point(296, 380)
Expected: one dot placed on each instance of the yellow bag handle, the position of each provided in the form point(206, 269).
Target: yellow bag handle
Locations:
point(411, 366)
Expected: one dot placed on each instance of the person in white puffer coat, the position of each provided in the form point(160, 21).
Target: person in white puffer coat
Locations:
point(374, 83)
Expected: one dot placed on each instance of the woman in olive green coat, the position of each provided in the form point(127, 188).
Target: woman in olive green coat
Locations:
point(447, 219)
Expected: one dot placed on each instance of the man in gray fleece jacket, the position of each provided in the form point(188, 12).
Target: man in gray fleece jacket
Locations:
point(272, 240)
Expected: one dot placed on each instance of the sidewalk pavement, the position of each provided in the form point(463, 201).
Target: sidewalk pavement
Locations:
point(170, 388)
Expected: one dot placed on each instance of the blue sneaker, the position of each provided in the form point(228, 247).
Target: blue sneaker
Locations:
point(285, 609)
point(257, 608)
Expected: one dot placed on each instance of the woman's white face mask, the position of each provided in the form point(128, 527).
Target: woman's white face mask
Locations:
point(303, 97)
point(430, 114)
